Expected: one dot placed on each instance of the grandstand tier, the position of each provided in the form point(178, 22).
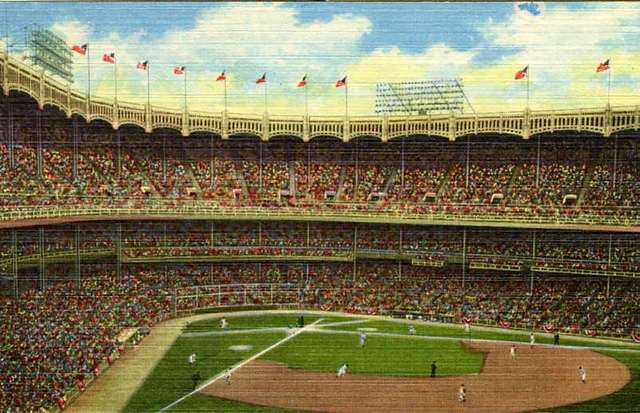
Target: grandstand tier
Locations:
point(48, 160)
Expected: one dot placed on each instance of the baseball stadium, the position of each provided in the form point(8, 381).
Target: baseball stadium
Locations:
point(374, 235)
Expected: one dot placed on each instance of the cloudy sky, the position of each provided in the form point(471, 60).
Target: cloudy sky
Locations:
point(483, 44)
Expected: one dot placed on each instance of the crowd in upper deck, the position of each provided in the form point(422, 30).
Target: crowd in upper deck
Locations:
point(569, 176)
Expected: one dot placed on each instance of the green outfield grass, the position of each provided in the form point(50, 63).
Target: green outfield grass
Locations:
point(390, 356)
point(245, 322)
point(326, 351)
point(457, 331)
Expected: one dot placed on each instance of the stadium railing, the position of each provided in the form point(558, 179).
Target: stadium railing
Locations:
point(203, 210)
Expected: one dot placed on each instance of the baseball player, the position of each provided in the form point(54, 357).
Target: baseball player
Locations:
point(342, 370)
point(226, 377)
point(512, 352)
point(195, 377)
point(223, 323)
point(412, 330)
point(532, 340)
point(583, 374)
point(462, 394)
point(363, 339)
point(192, 359)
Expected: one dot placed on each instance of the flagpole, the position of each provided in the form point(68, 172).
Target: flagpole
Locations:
point(148, 86)
point(185, 90)
point(528, 77)
point(265, 95)
point(115, 78)
point(225, 92)
point(306, 99)
point(88, 77)
point(346, 99)
point(609, 83)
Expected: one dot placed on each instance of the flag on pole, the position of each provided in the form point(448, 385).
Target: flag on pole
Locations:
point(521, 74)
point(109, 58)
point(303, 82)
point(81, 49)
point(263, 79)
point(221, 76)
point(179, 70)
point(603, 66)
point(341, 82)
point(142, 65)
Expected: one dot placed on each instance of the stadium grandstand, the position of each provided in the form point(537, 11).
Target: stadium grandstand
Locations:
point(114, 218)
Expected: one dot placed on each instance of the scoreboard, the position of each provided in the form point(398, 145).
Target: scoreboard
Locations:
point(420, 98)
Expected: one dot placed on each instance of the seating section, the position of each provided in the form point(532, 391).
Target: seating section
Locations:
point(54, 339)
point(72, 324)
point(92, 164)
point(600, 253)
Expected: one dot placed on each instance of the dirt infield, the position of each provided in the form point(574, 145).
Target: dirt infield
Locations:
point(539, 378)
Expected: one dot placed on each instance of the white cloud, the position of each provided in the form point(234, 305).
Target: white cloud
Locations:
point(72, 31)
point(561, 46)
point(245, 39)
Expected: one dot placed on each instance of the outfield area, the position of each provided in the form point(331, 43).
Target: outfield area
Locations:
point(298, 373)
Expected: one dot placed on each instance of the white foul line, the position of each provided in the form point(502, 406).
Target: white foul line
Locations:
point(240, 364)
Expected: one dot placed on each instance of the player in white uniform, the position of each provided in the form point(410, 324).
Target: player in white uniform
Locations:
point(532, 340)
point(363, 339)
point(192, 359)
point(223, 323)
point(462, 394)
point(227, 376)
point(583, 374)
point(512, 352)
point(342, 370)
point(412, 330)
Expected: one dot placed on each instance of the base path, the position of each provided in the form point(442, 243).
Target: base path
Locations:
point(539, 378)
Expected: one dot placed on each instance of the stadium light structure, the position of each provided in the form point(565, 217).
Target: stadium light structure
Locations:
point(48, 51)
point(421, 98)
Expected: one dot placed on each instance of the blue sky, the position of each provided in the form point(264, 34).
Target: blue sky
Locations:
point(482, 43)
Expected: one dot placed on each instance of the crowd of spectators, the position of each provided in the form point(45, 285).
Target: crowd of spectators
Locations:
point(58, 337)
point(485, 297)
point(142, 168)
point(604, 253)
point(53, 340)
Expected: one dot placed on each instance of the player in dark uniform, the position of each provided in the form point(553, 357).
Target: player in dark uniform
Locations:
point(433, 369)
point(196, 378)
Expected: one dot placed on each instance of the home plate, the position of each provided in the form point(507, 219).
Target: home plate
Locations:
point(367, 329)
point(240, 347)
